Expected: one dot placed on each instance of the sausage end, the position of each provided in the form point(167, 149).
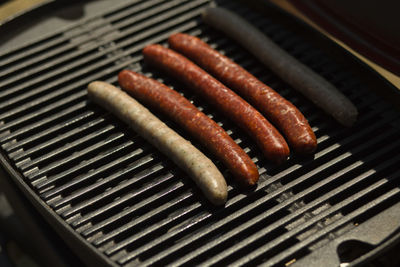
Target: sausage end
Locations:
point(219, 196)
point(349, 118)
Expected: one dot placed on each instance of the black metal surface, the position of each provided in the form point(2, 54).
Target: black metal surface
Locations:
point(33, 234)
point(111, 194)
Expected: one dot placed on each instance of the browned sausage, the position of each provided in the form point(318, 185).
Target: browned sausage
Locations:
point(303, 79)
point(277, 109)
point(267, 137)
point(207, 131)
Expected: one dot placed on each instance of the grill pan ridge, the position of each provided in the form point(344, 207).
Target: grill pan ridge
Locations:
point(127, 204)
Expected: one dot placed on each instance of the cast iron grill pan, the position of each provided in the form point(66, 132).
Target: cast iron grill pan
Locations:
point(116, 196)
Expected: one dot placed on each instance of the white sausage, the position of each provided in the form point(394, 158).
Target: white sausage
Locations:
point(200, 168)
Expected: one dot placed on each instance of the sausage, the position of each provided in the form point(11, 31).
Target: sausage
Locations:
point(208, 132)
point(271, 142)
point(277, 109)
point(299, 76)
point(201, 169)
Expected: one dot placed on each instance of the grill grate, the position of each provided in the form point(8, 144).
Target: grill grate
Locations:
point(131, 203)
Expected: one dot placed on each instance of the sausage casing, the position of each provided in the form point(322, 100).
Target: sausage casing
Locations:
point(201, 169)
point(277, 109)
point(267, 136)
point(207, 131)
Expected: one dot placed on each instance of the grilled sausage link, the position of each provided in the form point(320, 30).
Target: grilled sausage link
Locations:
point(302, 78)
point(208, 132)
point(204, 173)
point(277, 109)
point(267, 137)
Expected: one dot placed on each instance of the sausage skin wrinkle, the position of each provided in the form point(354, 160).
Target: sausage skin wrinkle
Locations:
point(299, 76)
point(208, 132)
point(204, 173)
point(277, 109)
point(270, 141)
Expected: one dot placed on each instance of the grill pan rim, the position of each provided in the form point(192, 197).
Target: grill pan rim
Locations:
point(83, 248)
point(75, 241)
point(378, 251)
point(338, 53)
